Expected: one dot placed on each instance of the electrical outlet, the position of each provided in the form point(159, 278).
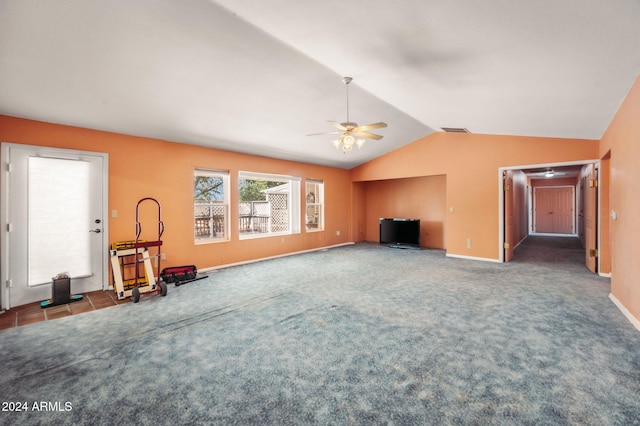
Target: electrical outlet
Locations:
point(163, 256)
point(468, 243)
point(337, 233)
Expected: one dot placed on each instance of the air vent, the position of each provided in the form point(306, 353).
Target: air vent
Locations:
point(455, 130)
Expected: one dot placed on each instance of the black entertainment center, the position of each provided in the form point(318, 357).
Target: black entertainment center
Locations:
point(400, 233)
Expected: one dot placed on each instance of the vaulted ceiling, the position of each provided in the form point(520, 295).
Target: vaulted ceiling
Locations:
point(257, 76)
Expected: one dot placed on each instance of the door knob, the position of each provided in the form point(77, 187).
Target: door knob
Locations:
point(97, 230)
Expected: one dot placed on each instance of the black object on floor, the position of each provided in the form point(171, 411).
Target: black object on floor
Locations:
point(180, 274)
point(61, 293)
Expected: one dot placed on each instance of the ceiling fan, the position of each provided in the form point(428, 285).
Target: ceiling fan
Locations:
point(350, 133)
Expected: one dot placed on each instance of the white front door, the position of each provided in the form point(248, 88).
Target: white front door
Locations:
point(55, 221)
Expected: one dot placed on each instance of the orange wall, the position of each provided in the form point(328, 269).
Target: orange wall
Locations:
point(471, 164)
point(621, 142)
point(142, 167)
point(358, 211)
point(421, 198)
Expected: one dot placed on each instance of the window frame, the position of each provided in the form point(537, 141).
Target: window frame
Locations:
point(293, 204)
point(316, 203)
point(225, 202)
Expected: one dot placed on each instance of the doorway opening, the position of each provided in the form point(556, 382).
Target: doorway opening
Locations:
point(556, 199)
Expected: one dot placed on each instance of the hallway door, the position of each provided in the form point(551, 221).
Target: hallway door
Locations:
point(509, 240)
point(554, 210)
point(590, 185)
point(55, 222)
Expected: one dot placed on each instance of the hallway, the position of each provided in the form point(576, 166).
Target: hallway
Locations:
point(550, 251)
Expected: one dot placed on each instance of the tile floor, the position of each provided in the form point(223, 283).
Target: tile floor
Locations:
point(32, 312)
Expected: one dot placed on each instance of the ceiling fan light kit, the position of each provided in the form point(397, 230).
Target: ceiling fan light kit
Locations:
point(350, 133)
point(346, 142)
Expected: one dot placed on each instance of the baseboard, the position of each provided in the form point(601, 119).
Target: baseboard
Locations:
point(484, 259)
point(519, 242)
point(602, 274)
point(633, 320)
point(545, 234)
point(246, 262)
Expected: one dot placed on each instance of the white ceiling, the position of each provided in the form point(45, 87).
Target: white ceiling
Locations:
point(257, 76)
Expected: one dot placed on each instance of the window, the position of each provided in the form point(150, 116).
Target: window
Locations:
point(314, 212)
point(268, 204)
point(211, 205)
point(53, 224)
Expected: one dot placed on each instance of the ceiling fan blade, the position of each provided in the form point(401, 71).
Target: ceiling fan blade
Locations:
point(370, 126)
point(367, 135)
point(325, 133)
point(338, 125)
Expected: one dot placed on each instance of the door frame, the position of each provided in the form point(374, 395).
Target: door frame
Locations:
point(501, 170)
point(4, 212)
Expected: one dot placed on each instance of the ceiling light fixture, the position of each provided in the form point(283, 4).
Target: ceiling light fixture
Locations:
point(347, 141)
point(549, 174)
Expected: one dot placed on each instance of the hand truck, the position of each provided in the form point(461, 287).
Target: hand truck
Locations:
point(139, 250)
